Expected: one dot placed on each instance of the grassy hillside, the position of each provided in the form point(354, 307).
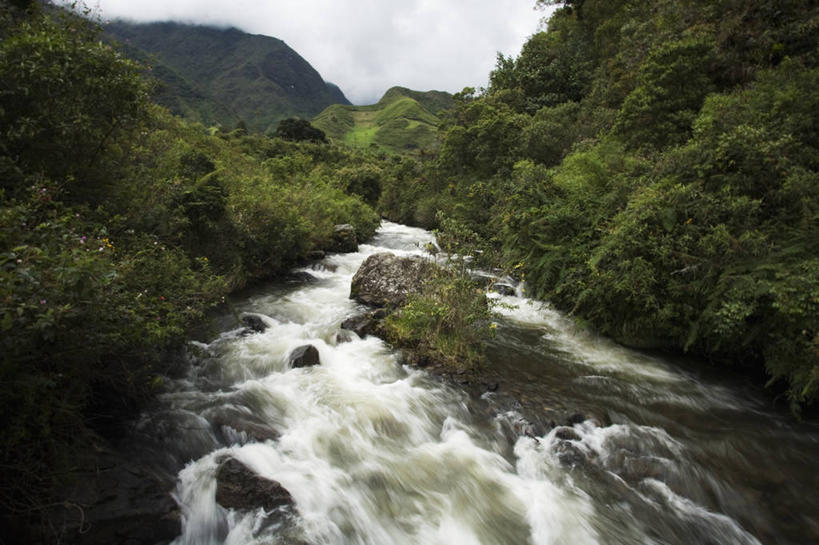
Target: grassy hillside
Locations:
point(221, 76)
point(402, 121)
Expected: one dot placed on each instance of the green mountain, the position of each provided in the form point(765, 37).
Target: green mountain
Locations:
point(222, 76)
point(403, 120)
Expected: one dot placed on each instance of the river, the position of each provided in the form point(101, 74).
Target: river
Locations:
point(377, 453)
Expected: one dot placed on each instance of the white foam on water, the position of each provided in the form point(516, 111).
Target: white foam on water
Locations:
point(371, 452)
point(376, 453)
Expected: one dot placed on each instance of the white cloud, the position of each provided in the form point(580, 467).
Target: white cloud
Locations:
point(367, 46)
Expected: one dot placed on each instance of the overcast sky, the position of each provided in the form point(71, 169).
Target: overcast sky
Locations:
point(367, 46)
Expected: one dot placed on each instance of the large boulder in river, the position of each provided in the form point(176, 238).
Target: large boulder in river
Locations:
point(345, 238)
point(304, 356)
point(237, 487)
point(385, 280)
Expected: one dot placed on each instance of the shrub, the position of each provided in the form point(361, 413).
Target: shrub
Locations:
point(447, 324)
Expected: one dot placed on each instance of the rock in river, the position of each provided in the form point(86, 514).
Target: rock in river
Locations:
point(237, 487)
point(345, 238)
point(254, 323)
point(304, 356)
point(364, 324)
point(385, 280)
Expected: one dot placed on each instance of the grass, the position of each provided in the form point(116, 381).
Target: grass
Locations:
point(398, 123)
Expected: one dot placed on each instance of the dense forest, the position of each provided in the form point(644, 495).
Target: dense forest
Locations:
point(649, 167)
point(120, 226)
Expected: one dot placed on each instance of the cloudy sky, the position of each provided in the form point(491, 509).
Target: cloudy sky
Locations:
point(367, 46)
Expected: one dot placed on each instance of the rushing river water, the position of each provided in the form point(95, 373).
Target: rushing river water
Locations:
point(377, 453)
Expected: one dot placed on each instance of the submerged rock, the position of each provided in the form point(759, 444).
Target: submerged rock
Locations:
point(304, 356)
point(235, 427)
point(301, 277)
point(364, 324)
point(345, 238)
point(566, 433)
point(254, 323)
point(343, 336)
point(237, 487)
point(386, 280)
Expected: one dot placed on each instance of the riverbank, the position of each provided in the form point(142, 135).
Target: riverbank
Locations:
point(368, 447)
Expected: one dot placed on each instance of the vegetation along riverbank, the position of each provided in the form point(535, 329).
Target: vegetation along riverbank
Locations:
point(651, 168)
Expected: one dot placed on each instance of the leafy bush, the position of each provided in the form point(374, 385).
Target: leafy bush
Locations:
point(297, 129)
point(85, 314)
point(654, 172)
point(67, 98)
point(448, 324)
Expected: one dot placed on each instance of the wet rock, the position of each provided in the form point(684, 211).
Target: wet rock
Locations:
point(301, 277)
point(482, 279)
point(566, 433)
point(344, 336)
point(364, 324)
point(492, 387)
point(344, 238)
point(599, 420)
point(237, 487)
point(416, 358)
point(385, 280)
point(503, 289)
point(324, 266)
point(315, 255)
point(253, 323)
point(576, 418)
point(304, 356)
point(520, 427)
point(570, 455)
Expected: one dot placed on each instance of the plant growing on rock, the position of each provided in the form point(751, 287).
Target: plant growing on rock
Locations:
point(446, 324)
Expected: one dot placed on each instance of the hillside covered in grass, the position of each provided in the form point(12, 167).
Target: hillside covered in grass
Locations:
point(402, 121)
point(223, 76)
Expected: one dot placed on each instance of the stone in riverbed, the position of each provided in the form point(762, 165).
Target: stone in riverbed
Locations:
point(345, 238)
point(343, 336)
point(386, 280)
point(254, 323)
point(364, 324)
point(304, 356)
point(566, 433)
point(237, 487)
point(300, 277)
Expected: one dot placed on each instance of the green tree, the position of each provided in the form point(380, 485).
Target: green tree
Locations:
point(299, 130)
point(673, 83)
point(67, 99)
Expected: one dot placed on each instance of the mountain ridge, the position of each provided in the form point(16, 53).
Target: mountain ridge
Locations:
point(224, 75)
